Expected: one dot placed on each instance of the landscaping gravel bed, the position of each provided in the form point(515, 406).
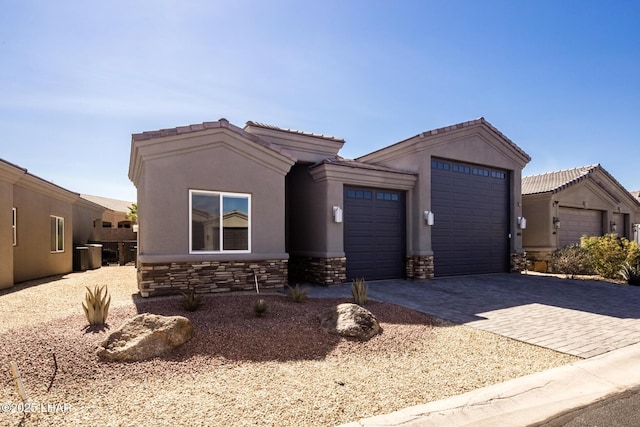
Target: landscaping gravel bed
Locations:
point(238, 370)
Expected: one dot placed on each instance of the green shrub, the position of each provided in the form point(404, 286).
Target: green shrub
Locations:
point(97, 306)
point(631, 274)
point(359, 291)
point(190, 301)
point(298, 294)
point(571, 260)
point(260, 307)
point(609, 253)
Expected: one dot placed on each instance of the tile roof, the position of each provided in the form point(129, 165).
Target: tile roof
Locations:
point(112, 204)
point(555, 181)
point(299, 132)
point(221, 123)
point(341, 161)
point(552, 182)
point(445, 129)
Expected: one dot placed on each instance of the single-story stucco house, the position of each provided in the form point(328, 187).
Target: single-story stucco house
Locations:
point(224, 208)
point(562, 206)
point(40, 227)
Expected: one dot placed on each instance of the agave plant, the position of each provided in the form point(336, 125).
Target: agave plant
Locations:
point(260, 307)
point(191, 301)
point(359, 291)
point(298, 294)
point(631, 274)
point(97, 305)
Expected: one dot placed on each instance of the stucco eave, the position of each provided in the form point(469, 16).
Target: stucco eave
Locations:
point(162, 147)
point(367, 177)
point(433, 142)
point(41, 186)
point(11, 173)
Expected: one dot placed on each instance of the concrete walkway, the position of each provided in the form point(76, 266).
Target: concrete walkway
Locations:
point(580, 317)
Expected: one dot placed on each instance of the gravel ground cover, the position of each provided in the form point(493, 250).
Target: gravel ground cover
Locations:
point(238, 370)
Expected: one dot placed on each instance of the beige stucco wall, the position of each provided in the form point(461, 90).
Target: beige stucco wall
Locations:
point(32, 254)
point(6, 235)
point(223, 162)
point(86, 222)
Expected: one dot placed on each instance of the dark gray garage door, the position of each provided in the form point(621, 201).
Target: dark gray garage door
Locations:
point(471, 207)
point(574, 223)
point(374, 233)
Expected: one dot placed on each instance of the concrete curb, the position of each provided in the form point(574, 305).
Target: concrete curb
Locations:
point(527, 400)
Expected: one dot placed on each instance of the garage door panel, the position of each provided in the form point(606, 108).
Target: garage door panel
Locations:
point(472, 237)
point(574, 223)
point(374, 233)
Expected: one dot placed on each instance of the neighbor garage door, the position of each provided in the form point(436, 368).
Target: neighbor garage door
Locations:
point(471, 207)
point(374, 233)
point(574, 223)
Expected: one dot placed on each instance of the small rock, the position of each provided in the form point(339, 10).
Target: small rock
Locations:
point(144, 336)
point(350, 320)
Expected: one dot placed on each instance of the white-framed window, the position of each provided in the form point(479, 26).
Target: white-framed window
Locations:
point(219, 222)
point(57, 234)
point(14, 224)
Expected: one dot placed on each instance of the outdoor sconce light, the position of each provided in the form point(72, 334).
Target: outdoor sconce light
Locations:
point(556, 222)
point(522, 222)
point(429, 217)
point(613, 226)
point(337, 214)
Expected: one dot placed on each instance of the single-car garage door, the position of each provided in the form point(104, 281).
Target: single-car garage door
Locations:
point(374, 233)
point(574, 223)
point(471, 207)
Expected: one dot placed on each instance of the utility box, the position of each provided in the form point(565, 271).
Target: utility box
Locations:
point(95, 255)
point(81, 258)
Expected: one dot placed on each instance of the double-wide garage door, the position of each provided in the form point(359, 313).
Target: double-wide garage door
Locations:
point(471, 207)
point(374, 233)
point(574, 223)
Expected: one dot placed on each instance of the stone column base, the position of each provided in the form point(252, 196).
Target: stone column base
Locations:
point(323, 271)
point(420, 267)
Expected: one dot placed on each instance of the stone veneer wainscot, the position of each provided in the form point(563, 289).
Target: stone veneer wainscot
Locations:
point(210, 276)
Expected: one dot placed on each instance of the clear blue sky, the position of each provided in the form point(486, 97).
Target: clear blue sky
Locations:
point(77, 78)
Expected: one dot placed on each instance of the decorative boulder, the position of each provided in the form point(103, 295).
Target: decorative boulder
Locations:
point(144, 336)
point(350, 320)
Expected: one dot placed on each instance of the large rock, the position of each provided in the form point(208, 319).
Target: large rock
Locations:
point(144, 336)
point(350, 320)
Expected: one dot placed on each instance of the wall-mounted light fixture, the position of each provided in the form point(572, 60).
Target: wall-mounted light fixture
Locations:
point(429, 217)
point(613, 226)
point(522, 222)
point(556, 222)
point(337, 214)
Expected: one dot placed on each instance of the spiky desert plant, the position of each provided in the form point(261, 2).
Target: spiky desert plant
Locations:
point(97, 305)
point(631, 274)
point(191, 301)
point(359, 290)
point(260, 307)
point(298, 294)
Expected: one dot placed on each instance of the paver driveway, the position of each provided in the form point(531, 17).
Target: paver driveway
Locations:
point(580, 317)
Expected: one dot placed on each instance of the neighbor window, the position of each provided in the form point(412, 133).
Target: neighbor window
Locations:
point(57, 234)
point(220, 222)
point(13, 226)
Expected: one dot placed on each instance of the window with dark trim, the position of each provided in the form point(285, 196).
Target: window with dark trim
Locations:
point(219, 222)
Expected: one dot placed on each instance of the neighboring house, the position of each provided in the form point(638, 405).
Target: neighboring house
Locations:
point(224, 208)
point(46, 222)
point(561, 207)
point(636, 227)
point(116, 231)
